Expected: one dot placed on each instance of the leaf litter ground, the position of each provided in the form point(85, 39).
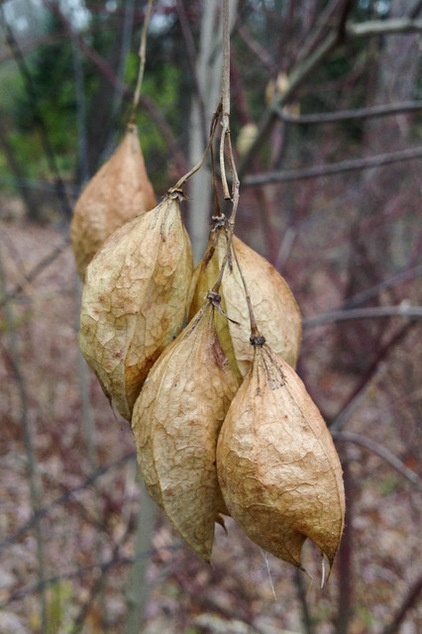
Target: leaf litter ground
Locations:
point(90, 497)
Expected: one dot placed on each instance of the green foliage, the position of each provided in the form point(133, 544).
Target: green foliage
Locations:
point(47, 99)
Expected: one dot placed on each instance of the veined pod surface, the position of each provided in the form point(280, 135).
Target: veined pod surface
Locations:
point(117, 193)
point(278, 469)
point(134, 300)
point(176, 421)
point(276, 311)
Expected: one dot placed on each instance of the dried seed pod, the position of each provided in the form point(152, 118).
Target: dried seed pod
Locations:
point(278, 469)
point(118, 192)
point(275, 308)
point(134, 300)
point(176, 421)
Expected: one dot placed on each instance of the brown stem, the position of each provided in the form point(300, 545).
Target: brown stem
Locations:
point(200, 163)
point(354, 399)
point(142, 58)
point(166, 132)
point(414, 313)
point(344, 115)
point(335, 168)
point(344, 560)
point(409, 601)
point(381, 452)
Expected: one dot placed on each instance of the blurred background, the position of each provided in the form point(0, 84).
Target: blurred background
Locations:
point(327, 124)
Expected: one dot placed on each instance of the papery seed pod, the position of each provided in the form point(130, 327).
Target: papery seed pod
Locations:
point(134, 300)
point(275, 308)
point(176, 421)
point(117, 193)
point(278, 469)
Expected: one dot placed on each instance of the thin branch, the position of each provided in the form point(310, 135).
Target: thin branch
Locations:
point(409, 601)
point(341, 167)
point(317, 33)
point(63, 499)
point(404, 309)
point(392, 26)
point(142, 58)
point(373, 291)
point(98, 585)
point(201, 161)
point(191, 58)
point(384, 453)
point(345, 115)
point(225, 96)
point(358, 393)
point(80, 572)
point(98, 60)
point(305, 67)
point(30, 454)
point(298, 75)
point(259, 52)
point(34, 272)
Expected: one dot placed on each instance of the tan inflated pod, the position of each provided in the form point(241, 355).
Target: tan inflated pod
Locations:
point(278, 469)
point(176, 421)
point(117, 193)
point(134, 300)
point(276, 311)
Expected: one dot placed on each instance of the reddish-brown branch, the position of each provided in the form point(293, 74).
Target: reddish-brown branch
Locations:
point(342, 167)
point(345, 115)
point(409, 602)
point(354, 398)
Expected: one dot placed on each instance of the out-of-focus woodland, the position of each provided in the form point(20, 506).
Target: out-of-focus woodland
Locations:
point(327, 125)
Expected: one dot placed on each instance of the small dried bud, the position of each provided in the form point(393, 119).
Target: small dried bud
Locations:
point(278, 469)
point(176, 421)
point(117, 193)
point(134, 300)
point(276, 311)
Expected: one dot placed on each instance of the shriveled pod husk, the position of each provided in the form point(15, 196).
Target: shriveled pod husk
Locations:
point(117, 193)
point(278, 469)
point(176, 421)
point(275, 308)
point(134, 300)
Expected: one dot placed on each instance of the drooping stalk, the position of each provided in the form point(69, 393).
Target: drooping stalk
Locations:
point(226, 146)
point(142, 59)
